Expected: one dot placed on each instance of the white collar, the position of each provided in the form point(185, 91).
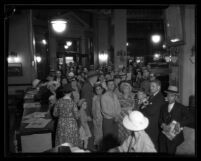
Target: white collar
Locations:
point(170, 106)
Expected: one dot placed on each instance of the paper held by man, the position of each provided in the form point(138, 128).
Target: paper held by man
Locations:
point(173, 131)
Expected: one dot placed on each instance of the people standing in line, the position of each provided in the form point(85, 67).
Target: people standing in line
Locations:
point(172, 111)
point(138, 78)
point(152, 111)
point(97, 115)
point(138, 141)
point(67, 113)
point(152, 76)
point(64, 84)
point(74, 84)
point(127, 102)
point(117, 80)
point(145, 83)
point(58, 76)
point(110, 110)
point(84, 130)
point(88, 93)
point(101, 78)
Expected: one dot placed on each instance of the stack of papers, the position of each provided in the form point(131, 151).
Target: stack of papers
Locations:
point(35, 115)
point(32, 105)
point(30, 120)
point(32, 92)
point(29, 96)
point(39, 123)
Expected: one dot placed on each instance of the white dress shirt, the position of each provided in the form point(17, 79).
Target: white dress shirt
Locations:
point(170, 106)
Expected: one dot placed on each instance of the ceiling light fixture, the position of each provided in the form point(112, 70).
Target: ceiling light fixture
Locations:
point(44, 42)
point(59, 25)
point(68, 43)
point(156, 38)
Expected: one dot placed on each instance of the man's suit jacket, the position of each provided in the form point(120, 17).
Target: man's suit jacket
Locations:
point(152, 112)
point(87, 93)
point(178, 113)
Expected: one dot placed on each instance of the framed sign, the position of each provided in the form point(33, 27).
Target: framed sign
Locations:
point(14, 69)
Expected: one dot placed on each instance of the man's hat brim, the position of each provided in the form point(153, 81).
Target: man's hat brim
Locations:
point(170, 91)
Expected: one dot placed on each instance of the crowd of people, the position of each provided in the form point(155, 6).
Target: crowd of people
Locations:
point(113, 111)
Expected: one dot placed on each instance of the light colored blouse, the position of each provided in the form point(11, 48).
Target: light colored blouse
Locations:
point(141, 143)
point(110, 106)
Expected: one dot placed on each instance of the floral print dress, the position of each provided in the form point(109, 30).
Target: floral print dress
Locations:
point(67, 128)
point(126, 105)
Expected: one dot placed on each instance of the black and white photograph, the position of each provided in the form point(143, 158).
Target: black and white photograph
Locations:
point(100, 79)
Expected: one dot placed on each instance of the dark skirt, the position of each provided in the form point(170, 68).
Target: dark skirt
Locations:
point(110, 127)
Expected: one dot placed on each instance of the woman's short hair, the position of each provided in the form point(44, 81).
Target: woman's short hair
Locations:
point(123, 84)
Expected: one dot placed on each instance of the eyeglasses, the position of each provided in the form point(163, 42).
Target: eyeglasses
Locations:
point(98, 88)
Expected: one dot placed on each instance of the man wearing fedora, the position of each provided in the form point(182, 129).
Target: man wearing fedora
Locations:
point(172, 111)
point(87, 93)
point(152, 111)
point(139, 140)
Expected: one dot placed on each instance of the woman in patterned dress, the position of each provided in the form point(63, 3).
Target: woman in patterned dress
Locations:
point(67, 113)
point(127, 102)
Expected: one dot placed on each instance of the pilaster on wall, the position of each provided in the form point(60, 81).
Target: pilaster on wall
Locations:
point(52, 51)
point(20, 40)
point(101, 36)
point(120, 37)
point(188, 68)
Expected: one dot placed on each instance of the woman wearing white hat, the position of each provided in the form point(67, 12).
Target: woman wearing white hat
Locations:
point(138, 141)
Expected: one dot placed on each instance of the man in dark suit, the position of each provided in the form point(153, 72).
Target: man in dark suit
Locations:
point(172, 111)
point(152, 111)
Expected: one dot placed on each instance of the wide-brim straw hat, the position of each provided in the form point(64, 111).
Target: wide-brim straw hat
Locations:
point(172, 89)
point(135, 121)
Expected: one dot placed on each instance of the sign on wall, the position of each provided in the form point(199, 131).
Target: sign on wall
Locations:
point(14, 69)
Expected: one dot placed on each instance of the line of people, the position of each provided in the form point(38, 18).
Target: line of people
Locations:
point(99, 111)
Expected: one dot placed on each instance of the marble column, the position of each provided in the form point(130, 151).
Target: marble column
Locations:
point(187, 67)
point(120, 37)
point(102, 40)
